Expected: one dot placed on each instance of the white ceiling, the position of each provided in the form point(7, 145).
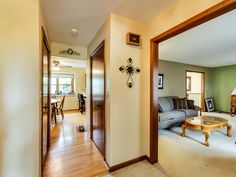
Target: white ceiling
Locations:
point(212, 44)
point(89, 15)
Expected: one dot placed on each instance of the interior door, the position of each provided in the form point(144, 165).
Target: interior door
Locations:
point(45, 99)
point(98, 99)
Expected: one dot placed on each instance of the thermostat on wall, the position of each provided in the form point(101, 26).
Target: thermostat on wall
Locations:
point(133, 39)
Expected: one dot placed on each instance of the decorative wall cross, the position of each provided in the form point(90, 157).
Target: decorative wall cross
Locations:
point(130, 70)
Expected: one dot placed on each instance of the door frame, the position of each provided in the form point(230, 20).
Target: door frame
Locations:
point(205, 16)
point(203, 86)
point(45, 42)
point(101, 45)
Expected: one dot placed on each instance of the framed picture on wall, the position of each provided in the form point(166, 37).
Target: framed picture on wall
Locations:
point(160, 81)
point(188, 84)
point(210, 105)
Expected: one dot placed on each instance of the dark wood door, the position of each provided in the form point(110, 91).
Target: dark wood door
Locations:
point(45, 97)
point(98, 99)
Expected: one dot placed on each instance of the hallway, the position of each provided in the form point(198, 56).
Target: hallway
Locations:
point(72, 154)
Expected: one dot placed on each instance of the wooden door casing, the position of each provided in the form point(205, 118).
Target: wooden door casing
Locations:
point(45, 100)
point(98, 99)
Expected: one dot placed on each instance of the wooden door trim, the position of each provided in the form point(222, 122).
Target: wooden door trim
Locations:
point(101, 45)
point(205, 16)
point(203, 81)
point(44, 42)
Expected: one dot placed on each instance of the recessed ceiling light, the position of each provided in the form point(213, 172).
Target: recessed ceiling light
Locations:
point(74, 31)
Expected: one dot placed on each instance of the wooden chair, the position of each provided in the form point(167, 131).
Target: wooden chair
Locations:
point(81, 103)
point(59, 110)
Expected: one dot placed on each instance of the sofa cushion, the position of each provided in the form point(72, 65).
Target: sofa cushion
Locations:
point(180, 103)
point(170, 99)
point(189, 112)
point(190, 104)
point(164, 104)
point(171, 115)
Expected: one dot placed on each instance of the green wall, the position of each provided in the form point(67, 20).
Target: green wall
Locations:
point(222, 82)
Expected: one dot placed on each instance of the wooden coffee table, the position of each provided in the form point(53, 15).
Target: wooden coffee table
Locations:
point(206, 124)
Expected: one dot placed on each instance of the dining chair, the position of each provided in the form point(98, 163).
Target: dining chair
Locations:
point(59, 110)
point(81, 103)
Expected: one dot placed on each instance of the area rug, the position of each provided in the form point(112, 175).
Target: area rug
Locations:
point(188, 156)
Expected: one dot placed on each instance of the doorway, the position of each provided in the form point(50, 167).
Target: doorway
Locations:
point(205, 16)
point(72, 152)
point(195, 88)
point(97, 122)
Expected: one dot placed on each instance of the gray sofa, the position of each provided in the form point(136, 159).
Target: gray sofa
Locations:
point(168, 116)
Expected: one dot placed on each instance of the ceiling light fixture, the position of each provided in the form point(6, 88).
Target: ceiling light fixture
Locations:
point(74, 32)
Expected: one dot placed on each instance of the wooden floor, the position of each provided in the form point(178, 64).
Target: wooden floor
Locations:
point(73, 154)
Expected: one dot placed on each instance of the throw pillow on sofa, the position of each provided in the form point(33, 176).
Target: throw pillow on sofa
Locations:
point(180, 103)
point(190, 104)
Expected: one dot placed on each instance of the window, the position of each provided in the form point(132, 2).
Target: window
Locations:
point(62, 83)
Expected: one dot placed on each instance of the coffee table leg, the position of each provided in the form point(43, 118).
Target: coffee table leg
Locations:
point(229, 130)
point(207, 135)
point(183, 130)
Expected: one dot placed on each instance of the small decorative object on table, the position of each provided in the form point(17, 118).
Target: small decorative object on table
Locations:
point(130, 70)
point(233, 102)
point(209, 105)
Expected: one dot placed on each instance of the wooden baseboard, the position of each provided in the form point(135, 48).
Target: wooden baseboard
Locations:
point(127, 163)
point(108, 166)
point(148, 159)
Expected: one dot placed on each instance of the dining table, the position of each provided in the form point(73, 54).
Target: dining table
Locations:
point(54, 104)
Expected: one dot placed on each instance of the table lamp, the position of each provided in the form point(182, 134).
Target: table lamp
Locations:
point(234, 91)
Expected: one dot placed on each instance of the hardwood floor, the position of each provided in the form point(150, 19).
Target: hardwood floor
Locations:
point(73, 154)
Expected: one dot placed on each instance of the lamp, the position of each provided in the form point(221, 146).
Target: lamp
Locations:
point(234, 91)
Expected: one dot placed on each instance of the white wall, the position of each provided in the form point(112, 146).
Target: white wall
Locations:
point(19, 88)
point(123, 105)
point(125, 102)
point(103, 34)
point(128, 120)
point(71, 102)
point(57, 47)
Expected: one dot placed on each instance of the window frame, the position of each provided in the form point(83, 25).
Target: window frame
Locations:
point(59, 75)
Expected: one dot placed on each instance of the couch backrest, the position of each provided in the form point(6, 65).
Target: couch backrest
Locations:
point(166, 103)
